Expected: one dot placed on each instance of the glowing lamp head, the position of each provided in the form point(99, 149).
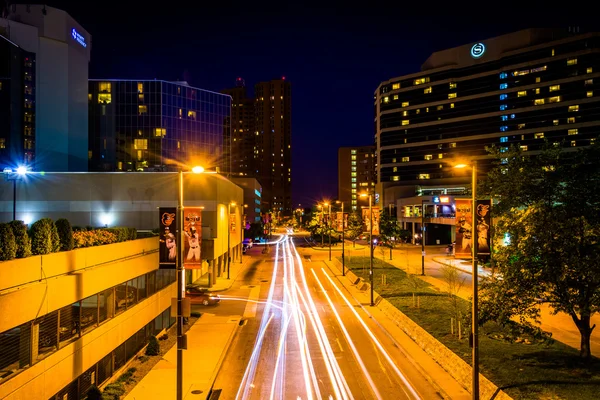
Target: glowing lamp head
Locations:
point(21, 170)
point(459, 166)
point(363, 195)
point(198, 169)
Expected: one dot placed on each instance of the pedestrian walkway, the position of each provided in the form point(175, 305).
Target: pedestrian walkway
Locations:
point(434, 373)
point(208, 341)
point(222, 282)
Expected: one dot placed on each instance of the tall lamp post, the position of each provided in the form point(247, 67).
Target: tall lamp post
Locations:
point(229, 236)
point(370, 242)
point(329, 228)
point(13, 176)
point(242, 229)
point(474, 248)
point(322, 220)
point(423, 236)
point(181, 340)
point(343, 238)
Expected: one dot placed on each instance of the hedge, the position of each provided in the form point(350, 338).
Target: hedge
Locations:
point(22, 239)
point(44, 237)
point(65, 234)
point(8, 246)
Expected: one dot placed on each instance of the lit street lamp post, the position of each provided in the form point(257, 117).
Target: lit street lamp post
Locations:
point(329, 228)
point(242, 229)
point(229, 237)
point(13, 176)
point(475, 311)
point(370, 243)
point(423, 236)
point(343, 239)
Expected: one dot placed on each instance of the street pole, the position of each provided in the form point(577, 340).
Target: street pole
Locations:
point(14, 199)
point(228, 238)
point(322, 221)
point(371, 246)
point(329, 230)
point(343, 242)
point(475, 322)
point(180, 286)
point(423, 236)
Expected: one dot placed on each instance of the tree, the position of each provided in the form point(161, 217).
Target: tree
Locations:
point(153, 348)
point(8, 246)
point(22, 239)
point(389, 229)
point(549, 210)
point(65, 233)
point(355, 226)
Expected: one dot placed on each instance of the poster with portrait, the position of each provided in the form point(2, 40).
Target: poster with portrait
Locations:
point(232, 224)
point(341, 219)
point(366, 218)
point(464, 228)
point(192, 231)
point(484, 222)
point(167, 222)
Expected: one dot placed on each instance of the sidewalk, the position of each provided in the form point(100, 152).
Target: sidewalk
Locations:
point(429, 368)
point(208, 341)
point(222, 282)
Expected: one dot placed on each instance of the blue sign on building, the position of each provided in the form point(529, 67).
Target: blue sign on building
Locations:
point(477, 50)
point(78, 37)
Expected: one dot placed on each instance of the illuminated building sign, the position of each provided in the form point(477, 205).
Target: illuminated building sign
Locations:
point(477, 50)
point(441, 199)
point(78, 37)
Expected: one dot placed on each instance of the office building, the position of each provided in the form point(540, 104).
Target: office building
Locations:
point(252, 197)
point(53, 136)
point(356, 174)
point(153, 125)
point(263, 148)
point(523, 89)
point(17, 105)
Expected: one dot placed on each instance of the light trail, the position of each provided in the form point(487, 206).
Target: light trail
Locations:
point(376, 341)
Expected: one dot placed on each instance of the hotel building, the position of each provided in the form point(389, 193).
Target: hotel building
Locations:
point(356, 174)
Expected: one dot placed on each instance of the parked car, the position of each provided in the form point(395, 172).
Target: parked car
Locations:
point(248, 243)
point(200, 295)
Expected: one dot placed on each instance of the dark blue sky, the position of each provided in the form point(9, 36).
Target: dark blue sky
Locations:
point(335, 56)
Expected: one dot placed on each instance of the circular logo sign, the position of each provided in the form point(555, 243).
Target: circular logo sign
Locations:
point(477, 50)
point(74, 34)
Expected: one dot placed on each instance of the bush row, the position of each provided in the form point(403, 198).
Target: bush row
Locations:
point(46, 236)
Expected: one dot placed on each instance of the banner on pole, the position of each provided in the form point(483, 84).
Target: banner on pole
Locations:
point(484, 222)
point(167, 221)
point(464, 228)
point(192, 229)
point(366, 217)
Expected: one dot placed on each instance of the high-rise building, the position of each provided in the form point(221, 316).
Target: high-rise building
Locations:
point(55, 130)
point(356, 174)
point(152, 125)
point(17, 105)
point(261, 146)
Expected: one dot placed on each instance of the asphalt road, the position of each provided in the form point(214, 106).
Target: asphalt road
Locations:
point(307, 338)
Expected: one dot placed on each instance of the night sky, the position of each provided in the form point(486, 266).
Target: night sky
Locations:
point(334, 55)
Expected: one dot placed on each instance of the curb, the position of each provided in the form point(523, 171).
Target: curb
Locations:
point(213, 378)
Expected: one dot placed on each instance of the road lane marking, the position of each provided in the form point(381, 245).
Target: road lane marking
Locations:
point(252, 304)
point(339, 344)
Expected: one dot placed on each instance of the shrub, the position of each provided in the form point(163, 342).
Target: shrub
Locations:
point(93, 238)
point(8, 246)
point(132, 233)
point(120, 233)
point(94, 393)
point(44, 237)
point(65, 234)
point(114, 391)
point(19, 229)
point(153, 348)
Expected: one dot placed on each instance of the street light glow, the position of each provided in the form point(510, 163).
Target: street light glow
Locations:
point(198, 169)
point(363, 195)
point(461, 166)
point(21, 170)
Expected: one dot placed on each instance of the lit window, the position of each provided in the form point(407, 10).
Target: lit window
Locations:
point(142, 109)
point(574, 107)
point(571, 120)
point(104, 87)
point(503, 107)
point(573, 131)
point(160, 132)
point(405, 104)
point(386, 99)
point(89, 94)
point(2, 143)
point(394, 159)
point(554, 99)
point(589, 94)
point(405, 159)
point(503, 96)
point(192, 114)
point(452, 145)
point(555, 122)
point(353, 157)
point(537, 91)
point(504, 139)
point(573, 143)
point(522, 93)
point(395, 178)
point(395, 86)
point(451, 105)
point(440, 155)
point(352, 151)
point(503, 128)
point(538, 79)
point(552, 52)
point(589, 70)
point(104, 98)
point(592, 141)
point(538, 102)
point(539, 135)
point(452, 85)
point(427, 90)
point(352, 173)
point(404, 113)
point(504, 117)
point(519, 73)
point(140, 144)
point(428, 157)
point(439, 108)
point(503, 86)
point(423, 176)
point(140, 87)
point(589, 82)
point(523, 148)
point(420, 81)
point(405, 122)
point(572, 61)
point(538, 69)
point(451, 95)
point(120, 165)
point(554, 88)
point(353, 185)
point(395, 97)
point(395, 169)
point(503, 75)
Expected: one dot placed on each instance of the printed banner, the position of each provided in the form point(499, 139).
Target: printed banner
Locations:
point(232, 224)
point(484, 222)
point(192, 229)
point(366, 217)
point(341, 219)
point(168, 238)
point(464, 227)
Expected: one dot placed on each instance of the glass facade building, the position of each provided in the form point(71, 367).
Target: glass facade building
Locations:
point(153, 125)
point(522, 88)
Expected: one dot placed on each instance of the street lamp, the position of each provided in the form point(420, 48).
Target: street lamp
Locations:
point(229, 236)
point(474, 245)
point(322, 220)
point(370, 242)
point(343, 238)
point(329, 227)
point(181, 341)
point(13, 176)
point(423, 236)
point(243, 228)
